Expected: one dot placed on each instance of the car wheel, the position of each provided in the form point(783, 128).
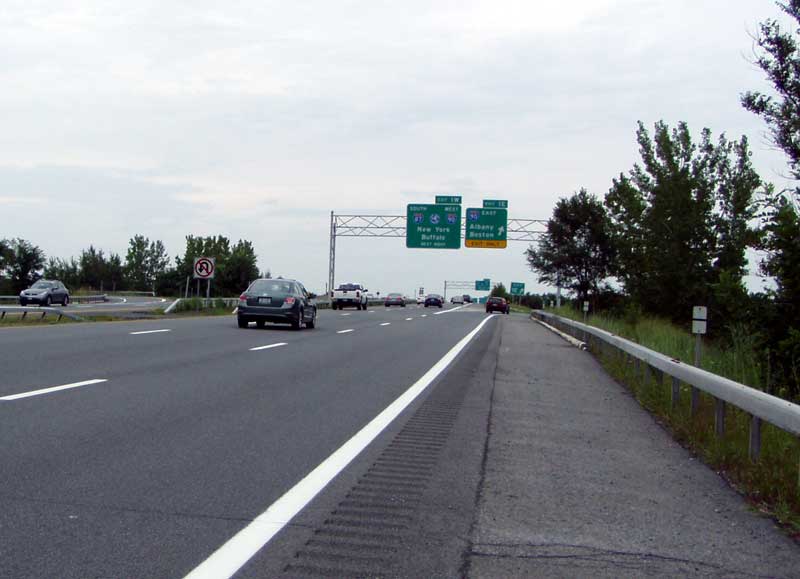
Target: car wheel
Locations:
point(298, 323)
point(241, 322)
point(312, 323)
point(358, 307)
point(66, 301)
point(333, 305)
point(47, 302)
point(364, 307)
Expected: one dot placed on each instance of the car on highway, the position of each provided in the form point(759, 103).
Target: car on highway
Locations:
point(280, 301)
point(496, 304)
point(45, 292)
point(394, 300)
point(434, 300)
point(349, 295)
point(457, 300)
point(467, 299)
point(420, 300)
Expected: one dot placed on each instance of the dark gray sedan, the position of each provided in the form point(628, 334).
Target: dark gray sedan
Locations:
point(281, 301)
point(45, 293)
point(394, 300)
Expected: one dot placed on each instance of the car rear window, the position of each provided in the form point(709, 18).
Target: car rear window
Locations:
point(272, 287)
point(349, 286)
point(42, 285)
point(395, 295)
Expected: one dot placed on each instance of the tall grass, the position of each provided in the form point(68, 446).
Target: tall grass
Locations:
point(771, 483)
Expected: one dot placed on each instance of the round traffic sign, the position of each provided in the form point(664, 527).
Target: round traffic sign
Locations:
point(204, 267)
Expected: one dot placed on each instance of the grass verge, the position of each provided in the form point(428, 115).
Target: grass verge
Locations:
point(772, 484)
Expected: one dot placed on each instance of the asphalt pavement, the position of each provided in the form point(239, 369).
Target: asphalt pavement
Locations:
point(408, 442)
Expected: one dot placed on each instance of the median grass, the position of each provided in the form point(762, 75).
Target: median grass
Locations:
point(772, 484)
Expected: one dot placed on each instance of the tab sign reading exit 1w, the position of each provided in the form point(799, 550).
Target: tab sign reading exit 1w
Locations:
point(486, 228)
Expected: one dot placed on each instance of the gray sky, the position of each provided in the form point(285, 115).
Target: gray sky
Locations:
point(255, 119)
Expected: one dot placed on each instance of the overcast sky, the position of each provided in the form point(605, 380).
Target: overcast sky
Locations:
point(256, 119)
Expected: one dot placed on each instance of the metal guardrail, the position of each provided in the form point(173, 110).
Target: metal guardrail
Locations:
point(74, 299)
point(759, 405)
point(33, 311)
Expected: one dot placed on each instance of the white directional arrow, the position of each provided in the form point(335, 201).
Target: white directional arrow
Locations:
point(500, 230)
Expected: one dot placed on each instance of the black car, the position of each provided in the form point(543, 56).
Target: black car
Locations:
point(434, 300)
point(497, 305)
point(394, 300)
point(45, 292)
point(282, 301)
point(467, 298)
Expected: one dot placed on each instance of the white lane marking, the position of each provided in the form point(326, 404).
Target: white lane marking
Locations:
point(448, 311)
point(149, 332)
point(344, 331)
point(409, 319)
point(345, 314)
point(267, 347)
point(424, 316)
point(53, 389)
point(386, 324)
point(230, 557)
point(371, 312)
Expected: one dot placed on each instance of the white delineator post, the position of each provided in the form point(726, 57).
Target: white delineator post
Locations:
point(699, 323)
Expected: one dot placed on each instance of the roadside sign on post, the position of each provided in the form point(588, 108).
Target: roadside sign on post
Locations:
point(433, 226)
point(486, 228)
point(517, 288)
point(699, 319)
point(483, 285)
point(204, 267)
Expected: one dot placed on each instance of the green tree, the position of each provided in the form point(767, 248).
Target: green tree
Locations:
point(576, 251)
point(240, 269)
point(68, 272)
point(136, 262)
point(24, 265)
point(499, 291)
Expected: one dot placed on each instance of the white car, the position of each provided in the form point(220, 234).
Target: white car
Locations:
point(457, 300)
point(420, 300)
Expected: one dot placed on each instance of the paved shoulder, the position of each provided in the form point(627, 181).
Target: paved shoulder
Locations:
point(581, 481)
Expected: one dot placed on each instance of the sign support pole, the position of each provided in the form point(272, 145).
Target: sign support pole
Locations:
point(332, 254)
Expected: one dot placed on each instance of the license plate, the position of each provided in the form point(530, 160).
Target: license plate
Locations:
point(265, 301)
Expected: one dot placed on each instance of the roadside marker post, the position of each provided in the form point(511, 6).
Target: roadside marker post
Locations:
point(699, 326)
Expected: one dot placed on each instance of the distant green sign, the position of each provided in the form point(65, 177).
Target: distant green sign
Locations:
point(430, 226)
point(483, 285)
point(517, 288)
point(448, 199)
point(495, 204)
point(486, 228)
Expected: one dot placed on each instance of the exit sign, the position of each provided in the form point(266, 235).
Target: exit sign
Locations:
point(448, 199)
point(495, 204)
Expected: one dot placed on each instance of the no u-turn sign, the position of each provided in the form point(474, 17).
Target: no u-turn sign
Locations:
point(204, 267)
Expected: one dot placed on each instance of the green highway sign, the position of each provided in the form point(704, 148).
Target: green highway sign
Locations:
point(483, 285)
point(448, 199)
point(486, 228)
point(517, 288)
point(432, 226)
point(495, 204)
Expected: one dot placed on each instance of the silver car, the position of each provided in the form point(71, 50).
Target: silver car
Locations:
point(45, 292)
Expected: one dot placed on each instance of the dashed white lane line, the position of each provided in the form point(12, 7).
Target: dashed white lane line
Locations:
point(149, 332)
point(345, 314)
point(409, 319)
point(371, 312)
point(386, 324)
point(53, 389)
point(344, 331)
point(268, 346)
point(240, 548)
point(424, 316)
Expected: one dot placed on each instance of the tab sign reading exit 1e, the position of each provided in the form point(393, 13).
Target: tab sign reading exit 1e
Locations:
point(433, 226)
point(486, 228)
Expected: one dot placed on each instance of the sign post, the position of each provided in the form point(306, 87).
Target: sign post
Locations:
point(433, 226)
point(699, 323)
point(204, 268)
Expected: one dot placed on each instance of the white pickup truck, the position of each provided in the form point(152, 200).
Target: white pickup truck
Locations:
point(349, 295)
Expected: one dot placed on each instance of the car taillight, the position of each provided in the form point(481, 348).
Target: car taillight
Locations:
point(243, 298)
point(289, 301)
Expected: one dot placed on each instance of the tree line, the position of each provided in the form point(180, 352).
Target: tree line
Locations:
point(673, 231)
point(145, 267)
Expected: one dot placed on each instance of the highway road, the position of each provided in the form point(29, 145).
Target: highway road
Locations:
point(405, 443)
point(173, 434)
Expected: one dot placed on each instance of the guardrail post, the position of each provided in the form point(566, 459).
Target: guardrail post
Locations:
point(59, 317)
point(646, 373)
point(694, 403)
point(719, 417)
point(43, 315)
point(676, 392)
point(2, 315)
point(24, 314)
point(755, 438)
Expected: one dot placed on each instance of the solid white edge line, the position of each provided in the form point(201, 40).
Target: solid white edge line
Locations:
point(448, 311)
point(240, 548)
point(148, 332)
point(53, 389)
point(267, 347)
point(344, 331)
